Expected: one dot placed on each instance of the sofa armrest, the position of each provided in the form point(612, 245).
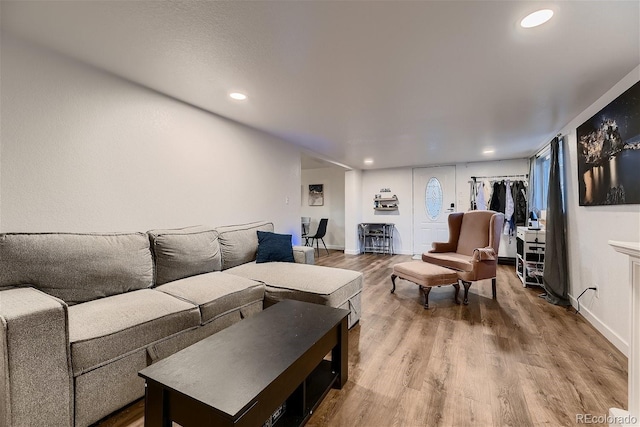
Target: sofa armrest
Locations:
point(36, 384)
point(483, 254)
point(303, 255)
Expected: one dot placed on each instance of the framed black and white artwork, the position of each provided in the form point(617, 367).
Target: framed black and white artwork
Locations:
point(609, 153)
point(316, 195)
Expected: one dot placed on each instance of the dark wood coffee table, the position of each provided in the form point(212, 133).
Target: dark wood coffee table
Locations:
point(242, 374)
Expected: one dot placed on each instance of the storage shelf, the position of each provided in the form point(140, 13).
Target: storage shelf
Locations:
point(376, 238)
point(385, 203)
point(305, 400)
point(530, 256)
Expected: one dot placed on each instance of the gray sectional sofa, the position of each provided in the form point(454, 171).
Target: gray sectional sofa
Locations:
point(81, 314)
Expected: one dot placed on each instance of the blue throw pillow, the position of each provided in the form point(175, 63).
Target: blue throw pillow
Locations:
point(274, 247)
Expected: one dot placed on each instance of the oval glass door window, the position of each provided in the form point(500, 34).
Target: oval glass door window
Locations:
point(433, 198)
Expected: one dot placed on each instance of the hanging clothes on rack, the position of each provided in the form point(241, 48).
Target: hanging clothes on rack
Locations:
point(520, 200)
point(491, 193)
point(509, 227)
point(487, 192)
point(474, 192)
point(498, 197)
point(481, 202)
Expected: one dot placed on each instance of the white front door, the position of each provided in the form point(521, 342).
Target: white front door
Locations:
point(434, 196)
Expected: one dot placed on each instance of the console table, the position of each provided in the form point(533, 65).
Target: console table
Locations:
point(621, 417)
point(376, 237)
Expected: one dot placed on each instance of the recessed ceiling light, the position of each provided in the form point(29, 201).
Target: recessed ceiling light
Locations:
point(237, 95)
point(368, 161)
point(488, 151)
point(536, 18)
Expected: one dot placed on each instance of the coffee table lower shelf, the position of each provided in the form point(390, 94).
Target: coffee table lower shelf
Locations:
point(307, 397)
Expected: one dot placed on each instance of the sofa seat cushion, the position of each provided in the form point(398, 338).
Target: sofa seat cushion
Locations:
point(106, 329)
point(303, 282)
point(449, 259)
point(215, 293)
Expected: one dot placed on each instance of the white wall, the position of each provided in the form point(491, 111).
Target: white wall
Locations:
point(333, 208)
point(352, 210)
point(464, 172)
point(591, 259)
point(400, 181)
point(83, 150)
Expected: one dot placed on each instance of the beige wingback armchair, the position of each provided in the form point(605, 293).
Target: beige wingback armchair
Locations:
point(472, 249)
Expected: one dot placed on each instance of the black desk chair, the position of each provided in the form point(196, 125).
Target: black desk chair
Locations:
point(320, 233)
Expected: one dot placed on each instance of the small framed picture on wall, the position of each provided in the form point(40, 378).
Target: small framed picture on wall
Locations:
point(316, 195)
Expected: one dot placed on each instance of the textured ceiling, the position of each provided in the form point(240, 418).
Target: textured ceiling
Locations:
point(310, 161)
point(404, 83)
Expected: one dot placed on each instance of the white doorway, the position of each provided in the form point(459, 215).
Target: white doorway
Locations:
point(314, 172)
point(434, 197)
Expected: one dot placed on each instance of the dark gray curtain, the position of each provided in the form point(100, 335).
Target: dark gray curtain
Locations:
point(531, 201)
point(555, 278)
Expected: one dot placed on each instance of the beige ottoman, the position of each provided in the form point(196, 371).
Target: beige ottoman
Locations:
point(426, 276)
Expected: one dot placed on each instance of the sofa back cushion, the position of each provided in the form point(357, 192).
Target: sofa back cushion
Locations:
point(239, 243)
point(76, 267)
point(185, 252)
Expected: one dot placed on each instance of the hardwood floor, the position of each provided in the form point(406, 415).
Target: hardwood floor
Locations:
point(514, 361)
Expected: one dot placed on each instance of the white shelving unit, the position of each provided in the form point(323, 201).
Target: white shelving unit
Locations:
point(530, 255)
point(376, 237)
point(385, 203)
point(620, 417)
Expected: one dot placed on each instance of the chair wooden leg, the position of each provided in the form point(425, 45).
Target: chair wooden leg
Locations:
point(425, 290)
point(493, 287)
point(325, 246)
point(455, 297)
point(393, 281)
point(466, 285)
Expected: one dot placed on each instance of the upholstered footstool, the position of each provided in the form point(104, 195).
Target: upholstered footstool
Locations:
point(426, 276)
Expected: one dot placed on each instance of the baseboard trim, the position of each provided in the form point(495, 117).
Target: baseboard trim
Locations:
point(608, 333)
point(332, 247)
point(355, 252)
point(506, 260)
